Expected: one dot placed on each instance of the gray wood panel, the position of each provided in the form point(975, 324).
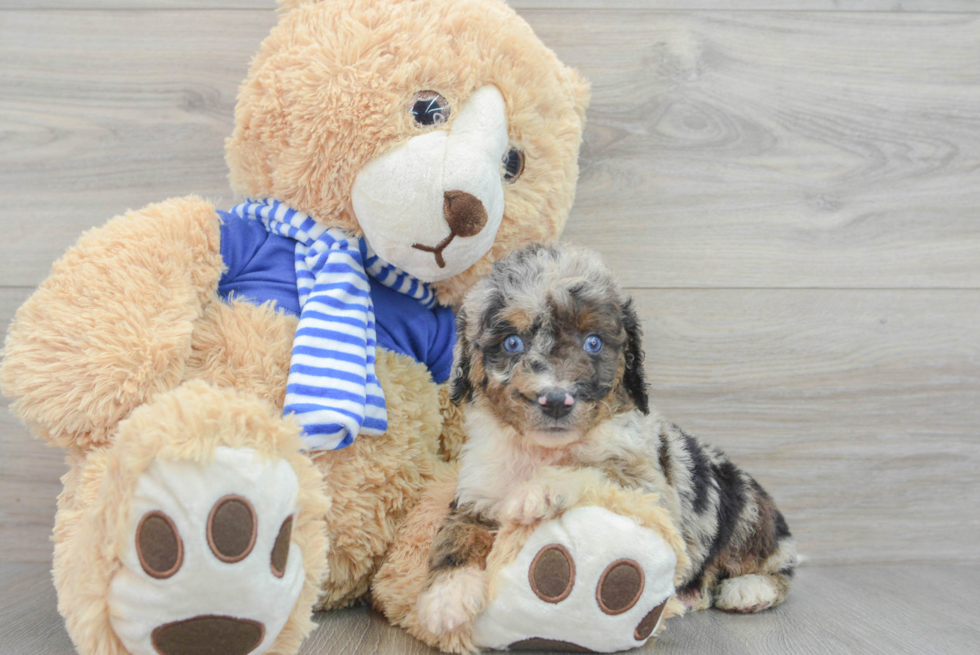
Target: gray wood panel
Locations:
point(30, 482)
point(30, 473)
point(858, 410)
point(784, 149)
point(685, 5)
point(87, 139)
point(833, 610)
point(747, 149)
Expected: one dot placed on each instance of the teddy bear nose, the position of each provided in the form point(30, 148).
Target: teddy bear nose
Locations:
point(464, 212)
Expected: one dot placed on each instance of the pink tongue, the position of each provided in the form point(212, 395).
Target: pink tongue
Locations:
point(569, 401)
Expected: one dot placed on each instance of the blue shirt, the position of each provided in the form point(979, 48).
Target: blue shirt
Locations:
point(261, 267)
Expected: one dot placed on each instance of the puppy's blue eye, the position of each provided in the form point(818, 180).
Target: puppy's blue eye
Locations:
point(592, 344)
point(513, 344)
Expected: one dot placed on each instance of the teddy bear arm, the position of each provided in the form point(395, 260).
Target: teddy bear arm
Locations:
point(112, 324)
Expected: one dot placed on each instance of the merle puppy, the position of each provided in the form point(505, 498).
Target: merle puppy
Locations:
point(549, 365)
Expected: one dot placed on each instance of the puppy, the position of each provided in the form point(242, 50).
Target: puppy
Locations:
point(549, 365)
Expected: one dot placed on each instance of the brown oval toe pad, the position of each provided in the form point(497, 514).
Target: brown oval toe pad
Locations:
point(620, 586)
point(537, 643)
point(648, 623)
point(232, 529)
point(280, 550)
point(158, 545)
point(208, 635)
point(552, 573)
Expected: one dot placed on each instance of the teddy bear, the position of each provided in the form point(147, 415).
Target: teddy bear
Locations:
point(252, 402)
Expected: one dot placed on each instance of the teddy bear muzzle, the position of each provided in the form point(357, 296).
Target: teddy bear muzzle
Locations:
point(432, 204)
point(465, 216)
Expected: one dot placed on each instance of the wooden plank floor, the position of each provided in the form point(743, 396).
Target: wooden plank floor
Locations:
point(882, 610)
point(790, 188)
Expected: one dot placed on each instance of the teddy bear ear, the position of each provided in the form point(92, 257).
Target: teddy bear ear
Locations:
point(578, 90)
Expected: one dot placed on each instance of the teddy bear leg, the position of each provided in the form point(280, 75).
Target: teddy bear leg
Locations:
point(200, 529)
point(375, 482)
point(590, 579)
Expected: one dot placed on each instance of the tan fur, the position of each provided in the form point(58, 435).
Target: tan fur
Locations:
point(400, 580)
point(243, 346)
point(187, 424)
point(332, 72)
point(375, 482)
point(113, 323)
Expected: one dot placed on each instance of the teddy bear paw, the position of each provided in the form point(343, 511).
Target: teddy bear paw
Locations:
point(452, 600)
point(209, 563)
point(591, 580)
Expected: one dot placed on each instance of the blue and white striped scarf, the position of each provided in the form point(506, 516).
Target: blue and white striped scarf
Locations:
point(332, 387)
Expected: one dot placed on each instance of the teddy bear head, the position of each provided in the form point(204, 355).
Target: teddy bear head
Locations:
point(443, 131)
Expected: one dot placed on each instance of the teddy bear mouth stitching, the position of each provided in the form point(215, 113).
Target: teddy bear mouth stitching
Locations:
point(465, 215)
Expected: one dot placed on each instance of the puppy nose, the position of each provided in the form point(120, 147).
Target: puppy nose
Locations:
point(556, 404)
point(464, 212)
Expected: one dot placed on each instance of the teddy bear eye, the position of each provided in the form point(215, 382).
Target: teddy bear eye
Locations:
point(429, 109)
point(512, 165)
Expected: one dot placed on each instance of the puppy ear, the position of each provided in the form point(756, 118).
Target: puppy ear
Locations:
point(634, 380)
point(460, 388)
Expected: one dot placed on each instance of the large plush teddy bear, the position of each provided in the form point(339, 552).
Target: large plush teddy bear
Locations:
point(391, 151)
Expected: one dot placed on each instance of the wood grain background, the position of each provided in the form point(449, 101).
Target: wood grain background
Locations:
point(790, 189)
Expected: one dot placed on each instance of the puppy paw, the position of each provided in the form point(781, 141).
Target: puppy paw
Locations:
point(533, 502)
point(695, 600)
point(746, 594)
point(452, 600)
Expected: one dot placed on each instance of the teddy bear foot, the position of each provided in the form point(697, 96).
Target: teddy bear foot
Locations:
point(209, 565)
point(591, 580)
point(199, 529)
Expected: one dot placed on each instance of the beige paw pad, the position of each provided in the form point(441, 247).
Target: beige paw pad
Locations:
point(454, 598)
point(208, 564)
point(745, 594)
point(590, 580)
